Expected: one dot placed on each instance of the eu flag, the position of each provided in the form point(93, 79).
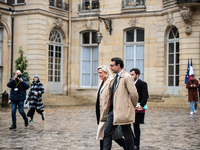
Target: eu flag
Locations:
point(187, 75)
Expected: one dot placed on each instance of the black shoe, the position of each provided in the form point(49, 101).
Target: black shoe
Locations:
point(13, 127)
point(26, 122)
point(43, 116)
point(136, 147)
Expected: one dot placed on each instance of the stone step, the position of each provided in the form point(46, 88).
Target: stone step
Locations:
point(66, 101)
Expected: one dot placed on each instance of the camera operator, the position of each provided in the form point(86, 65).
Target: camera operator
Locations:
point(18, 87)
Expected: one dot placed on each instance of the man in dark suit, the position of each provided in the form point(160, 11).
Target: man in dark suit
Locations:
point(140, 112)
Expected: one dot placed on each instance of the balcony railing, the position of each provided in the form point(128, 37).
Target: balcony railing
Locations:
point(187, 1)
point(89, 6)
point(132, 3)
point(11, 2)
point(59, 4)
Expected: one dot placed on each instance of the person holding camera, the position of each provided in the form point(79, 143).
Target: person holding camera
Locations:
point(18, 87)
point(35, 98)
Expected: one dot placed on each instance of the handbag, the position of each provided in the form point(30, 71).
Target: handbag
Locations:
point(117, 133)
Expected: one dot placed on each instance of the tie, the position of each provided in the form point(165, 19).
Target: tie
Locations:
point(114, 85)
point(115, 82)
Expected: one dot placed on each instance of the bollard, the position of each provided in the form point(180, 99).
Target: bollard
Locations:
point(4, 98)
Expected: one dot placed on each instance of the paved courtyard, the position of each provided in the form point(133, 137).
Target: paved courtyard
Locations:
point(74, 128)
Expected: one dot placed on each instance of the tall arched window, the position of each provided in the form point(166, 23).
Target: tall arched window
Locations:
point(55, 61)
point(173, 61)
point(134, 50)
point(89, 59)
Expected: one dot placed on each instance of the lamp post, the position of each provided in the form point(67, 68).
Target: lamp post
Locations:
point(98, 37)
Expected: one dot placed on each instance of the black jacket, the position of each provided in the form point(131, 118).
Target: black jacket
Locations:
point(22, 87)
point(142, 92)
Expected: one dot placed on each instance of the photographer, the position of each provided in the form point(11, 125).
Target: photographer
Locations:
point(18, 87)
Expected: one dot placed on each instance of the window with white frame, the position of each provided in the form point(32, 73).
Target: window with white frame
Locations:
point(89, 4)
point(14, 1)
point(173, 57)
point(61, 4)
point(133, 3)
point(89, 59)
point(134, 50)
point(1, 43)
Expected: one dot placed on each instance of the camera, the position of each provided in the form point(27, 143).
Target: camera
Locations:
point(19, 76)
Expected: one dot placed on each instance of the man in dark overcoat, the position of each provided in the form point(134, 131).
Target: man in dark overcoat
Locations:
point(192, 86)
point(142, 99)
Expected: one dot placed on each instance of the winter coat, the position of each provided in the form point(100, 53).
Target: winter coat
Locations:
point(35, 101)
point(124, 102)
point(199, 90)
point(192, 91)
point(20, 94)
point(103, 94)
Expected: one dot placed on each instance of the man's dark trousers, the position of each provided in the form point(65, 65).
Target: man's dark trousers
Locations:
point(137, 133)
point(109, 130)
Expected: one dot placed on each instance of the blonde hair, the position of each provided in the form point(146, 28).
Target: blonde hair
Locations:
point(105, 69)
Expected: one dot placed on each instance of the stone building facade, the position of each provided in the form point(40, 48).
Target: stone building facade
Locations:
point(59, 39)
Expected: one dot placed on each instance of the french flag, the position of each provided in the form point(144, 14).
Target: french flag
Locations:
point(191, 70)
point(187, 73)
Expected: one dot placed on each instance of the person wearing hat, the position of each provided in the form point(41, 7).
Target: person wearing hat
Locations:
point(192, 86)
point(35, 98)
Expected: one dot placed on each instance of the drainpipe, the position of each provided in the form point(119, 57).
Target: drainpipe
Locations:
point(12, 44)
point(69, 50)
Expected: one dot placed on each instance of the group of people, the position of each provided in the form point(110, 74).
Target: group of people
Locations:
point(193, 87)
point(120, 102)
point(19, 86)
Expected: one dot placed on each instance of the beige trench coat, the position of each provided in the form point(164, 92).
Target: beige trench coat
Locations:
point(125, 100)
point(103, 94)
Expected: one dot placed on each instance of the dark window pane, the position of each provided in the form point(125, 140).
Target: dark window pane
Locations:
point(86, 38)
point(177, 80)
point(171, 47)
point(177, 69)
point(94, 35)
point(177, 58)
point(170, 81)
point(130, 36)
point(20, 1)
point(171, 58)
point(171, 36)
point(171, 70)
point(10, 1)
point(177, 47)
point(140, 35)
point(52, 2)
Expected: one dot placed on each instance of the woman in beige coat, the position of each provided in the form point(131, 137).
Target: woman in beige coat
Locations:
point(105, 76)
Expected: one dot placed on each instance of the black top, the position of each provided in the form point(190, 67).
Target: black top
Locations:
point(142, 92)
point(98, 104)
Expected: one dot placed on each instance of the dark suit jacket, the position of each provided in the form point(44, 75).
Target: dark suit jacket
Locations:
point(142, 92)
point(143, 96)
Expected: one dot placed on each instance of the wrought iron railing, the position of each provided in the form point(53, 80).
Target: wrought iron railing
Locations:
point(89, 6)
point(11, 2)
point(59, 4)
point(187, 1)
point(181, 1)
point(132, 3)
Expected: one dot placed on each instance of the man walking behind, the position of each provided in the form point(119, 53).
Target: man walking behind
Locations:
point(142, 100)
point(120, 110)
point(18, 87)
point(192, 86)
